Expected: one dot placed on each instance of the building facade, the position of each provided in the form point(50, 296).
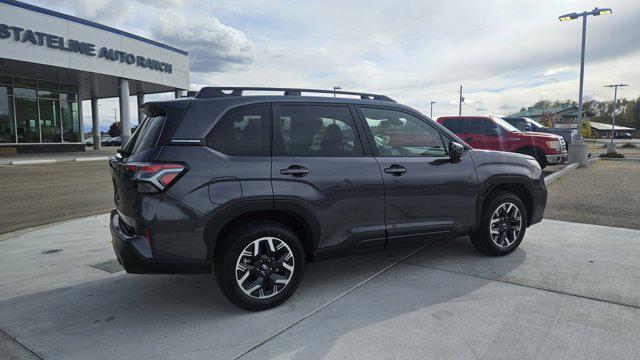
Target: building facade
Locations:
point(564, 116)
point(50, 62)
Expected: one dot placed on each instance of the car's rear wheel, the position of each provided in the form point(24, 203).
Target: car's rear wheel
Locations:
point(503, 225)
point(260, 265)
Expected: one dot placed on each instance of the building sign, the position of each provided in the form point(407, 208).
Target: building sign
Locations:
point(74, 46)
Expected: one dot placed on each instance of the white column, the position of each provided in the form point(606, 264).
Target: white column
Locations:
point(140, 102)
point(125, 122)
point(95, 123)
point(80, 119)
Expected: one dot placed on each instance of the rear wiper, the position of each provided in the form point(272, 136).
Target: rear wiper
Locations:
point(123, 152)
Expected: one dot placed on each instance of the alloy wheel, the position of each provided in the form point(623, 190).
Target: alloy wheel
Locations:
point(264, 267)
point(505, 225)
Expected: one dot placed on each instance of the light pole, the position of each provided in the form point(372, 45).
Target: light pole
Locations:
point(578, 150)
point(334, 90)
point(461, 101)
point(431, 114)
point(611, 148)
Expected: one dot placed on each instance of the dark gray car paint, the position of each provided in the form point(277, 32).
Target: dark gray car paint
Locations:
point(341, 202)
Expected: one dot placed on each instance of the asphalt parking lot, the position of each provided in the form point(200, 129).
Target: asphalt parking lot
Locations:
point(571, 291)
point(46, 193)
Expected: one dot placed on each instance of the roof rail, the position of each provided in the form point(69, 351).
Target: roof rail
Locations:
point(215, 92)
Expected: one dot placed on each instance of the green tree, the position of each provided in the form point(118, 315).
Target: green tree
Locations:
point(114, 129)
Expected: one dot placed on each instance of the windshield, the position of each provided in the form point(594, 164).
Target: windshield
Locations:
point(536, 123)
point(505, 125)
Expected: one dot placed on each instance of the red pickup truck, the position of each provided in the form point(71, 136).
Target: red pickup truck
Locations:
point(491, 133)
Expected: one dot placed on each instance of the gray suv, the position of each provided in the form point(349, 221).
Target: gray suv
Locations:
point(254, 187)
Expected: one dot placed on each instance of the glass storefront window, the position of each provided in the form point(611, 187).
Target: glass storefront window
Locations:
point(7, 126)
point(27, 120)
point(38, 111)
point(48, 89)
point(70, 121)
point(50, 121)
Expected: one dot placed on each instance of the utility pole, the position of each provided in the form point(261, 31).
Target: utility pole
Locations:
point(334, 90)
point(431, 114)
point(611, 148)
point(461, 101)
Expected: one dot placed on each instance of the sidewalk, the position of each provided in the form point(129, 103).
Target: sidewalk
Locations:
point(571, 291)
point(102, 154)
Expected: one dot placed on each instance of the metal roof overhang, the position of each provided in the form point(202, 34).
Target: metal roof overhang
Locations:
point(105, 86)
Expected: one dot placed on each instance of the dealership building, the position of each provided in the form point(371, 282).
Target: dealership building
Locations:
point(50, 62)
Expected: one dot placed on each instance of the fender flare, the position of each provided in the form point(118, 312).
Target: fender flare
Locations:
point(216, 220)
point(491, 183)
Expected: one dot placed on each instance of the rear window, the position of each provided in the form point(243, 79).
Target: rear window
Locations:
point(146, 136)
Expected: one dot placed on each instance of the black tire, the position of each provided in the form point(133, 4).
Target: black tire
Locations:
point(540, 157)
point(482, 238)
point(229, 256)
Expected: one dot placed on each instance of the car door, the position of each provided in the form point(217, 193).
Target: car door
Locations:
point(321, 171)
point(427, 194)
point(472, 133)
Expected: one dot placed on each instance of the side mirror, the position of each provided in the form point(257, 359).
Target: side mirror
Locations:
point(527, 127)
point(455, 151)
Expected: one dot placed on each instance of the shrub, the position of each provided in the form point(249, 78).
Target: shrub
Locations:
point(628, 146)
point(614, 155)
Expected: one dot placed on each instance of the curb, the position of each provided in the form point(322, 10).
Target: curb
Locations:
point(32, 162)
point(553, 177)
point(96, 158)
point(623, 159)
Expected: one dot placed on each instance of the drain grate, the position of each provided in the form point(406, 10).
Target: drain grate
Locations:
point(110, 266)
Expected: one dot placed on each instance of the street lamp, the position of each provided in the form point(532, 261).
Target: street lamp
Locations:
point(578, 150)
point(431, 103)
point(611, 148)
point(334, 90)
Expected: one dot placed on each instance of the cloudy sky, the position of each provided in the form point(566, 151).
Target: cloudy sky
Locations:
point(506, 54)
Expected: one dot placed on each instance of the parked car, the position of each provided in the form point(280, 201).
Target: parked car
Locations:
point(624, 135)
point(88, 141)
point(116, 141)
point(493, 133)
point(527, 124)
point(105, 141)
point(255, 187)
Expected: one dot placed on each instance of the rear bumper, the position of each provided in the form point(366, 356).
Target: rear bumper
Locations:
point(135, 255)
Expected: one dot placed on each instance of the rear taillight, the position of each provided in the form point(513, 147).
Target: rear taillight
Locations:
point(153, 177)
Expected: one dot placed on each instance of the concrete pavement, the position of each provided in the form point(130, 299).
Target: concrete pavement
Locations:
point(570, 291)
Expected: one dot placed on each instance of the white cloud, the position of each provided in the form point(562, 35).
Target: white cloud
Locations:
point(413, 51)
point(212, 45)
point(556, 71)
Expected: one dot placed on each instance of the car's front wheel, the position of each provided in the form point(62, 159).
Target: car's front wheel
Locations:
point(260, 265)
point(503, 225)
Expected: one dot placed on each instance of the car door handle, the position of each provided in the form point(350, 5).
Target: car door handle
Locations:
point(295, 171)
point(468, 138)
point(395, 170)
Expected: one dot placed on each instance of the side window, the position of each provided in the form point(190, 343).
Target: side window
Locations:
point(400, 134)
point(488, 126)
point(474, 126)
point(316, 130)
point(243, 132)
point(454, 125)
